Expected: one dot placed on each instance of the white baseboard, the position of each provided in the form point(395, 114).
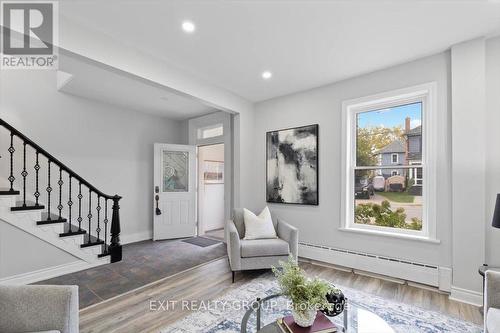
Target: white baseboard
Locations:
point(137, 237)
point(466, 296)
point(51, 272)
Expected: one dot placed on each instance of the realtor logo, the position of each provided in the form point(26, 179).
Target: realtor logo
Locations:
point(29, 32)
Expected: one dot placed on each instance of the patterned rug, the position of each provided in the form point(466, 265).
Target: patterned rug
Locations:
point(224, 314)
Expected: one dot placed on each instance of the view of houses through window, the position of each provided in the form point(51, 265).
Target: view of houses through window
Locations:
point(388, 173)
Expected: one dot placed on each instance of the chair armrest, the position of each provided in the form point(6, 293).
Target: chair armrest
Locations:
point(290, 234)
point(491, 290)
point(39, 308)
point(233, 246)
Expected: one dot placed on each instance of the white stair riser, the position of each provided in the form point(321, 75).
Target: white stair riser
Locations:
point(56, 228)
point(93, 249)
point(34, 215)
point(76, 240)
point(7, 201)
point(26, 220)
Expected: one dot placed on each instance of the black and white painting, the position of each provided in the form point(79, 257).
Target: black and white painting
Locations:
point(292, 165)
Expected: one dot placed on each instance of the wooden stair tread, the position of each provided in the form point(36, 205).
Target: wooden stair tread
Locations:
point(53, 219)
point(29, 206)
point(93, 241)
point(7, 191)
point(74, 231)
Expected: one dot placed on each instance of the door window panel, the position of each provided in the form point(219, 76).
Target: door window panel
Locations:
point(175, 171)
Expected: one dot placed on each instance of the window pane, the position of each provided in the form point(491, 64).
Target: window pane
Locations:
point(210, 131)
point(175, 171)
point(389, 198)
point(391, 136)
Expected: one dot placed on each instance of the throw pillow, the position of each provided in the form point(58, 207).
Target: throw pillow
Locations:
point(258, 227)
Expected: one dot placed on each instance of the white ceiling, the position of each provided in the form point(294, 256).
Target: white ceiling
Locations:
point(100, 83)
point(304, 43)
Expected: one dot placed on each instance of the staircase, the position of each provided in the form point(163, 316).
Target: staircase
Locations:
point(52, 202)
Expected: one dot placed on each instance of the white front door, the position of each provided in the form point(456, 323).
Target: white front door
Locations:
point(174, 197)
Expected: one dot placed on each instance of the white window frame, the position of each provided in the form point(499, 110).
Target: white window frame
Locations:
point(201, 131)
point(394, 173)
point(425, 93)
point(414, 174)
point(392, 158)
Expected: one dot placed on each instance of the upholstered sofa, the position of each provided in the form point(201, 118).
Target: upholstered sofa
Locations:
point(39, 309)
point(259, 253)
point(492, 302)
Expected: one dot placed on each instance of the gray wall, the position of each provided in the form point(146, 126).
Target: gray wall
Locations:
point(21, 252)
point(319, 225)
point(492, 154)
point(110, 147)
point(468, 162)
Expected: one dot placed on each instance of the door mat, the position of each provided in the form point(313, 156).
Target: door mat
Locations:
point(201, 241)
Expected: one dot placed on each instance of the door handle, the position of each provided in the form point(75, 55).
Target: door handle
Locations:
point(157, 198)
point(158, 211)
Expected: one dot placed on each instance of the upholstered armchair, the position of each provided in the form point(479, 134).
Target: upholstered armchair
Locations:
point(492, 302)
point(259, 253)
point(47, 309)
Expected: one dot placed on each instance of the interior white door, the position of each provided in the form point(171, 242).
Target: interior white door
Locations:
point(174, 211)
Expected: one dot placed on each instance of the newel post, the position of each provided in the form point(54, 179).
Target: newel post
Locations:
point(115, 248)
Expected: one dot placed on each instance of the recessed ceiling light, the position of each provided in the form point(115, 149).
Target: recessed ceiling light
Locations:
point(188, 27)
point(267, 75)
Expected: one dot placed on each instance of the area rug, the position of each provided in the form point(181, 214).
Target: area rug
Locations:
point(201, 241)
point(224, 314)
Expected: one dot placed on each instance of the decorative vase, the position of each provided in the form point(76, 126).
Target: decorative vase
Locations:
point(304, 318)
point(337, 299)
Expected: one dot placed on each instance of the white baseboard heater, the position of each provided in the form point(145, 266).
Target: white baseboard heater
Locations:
point(422, 273)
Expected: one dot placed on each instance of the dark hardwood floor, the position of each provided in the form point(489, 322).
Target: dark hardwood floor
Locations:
point(143, 263)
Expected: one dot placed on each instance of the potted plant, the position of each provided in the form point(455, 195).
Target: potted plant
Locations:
point(307, 295)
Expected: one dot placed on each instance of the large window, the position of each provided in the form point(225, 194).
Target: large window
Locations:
point(388, 180)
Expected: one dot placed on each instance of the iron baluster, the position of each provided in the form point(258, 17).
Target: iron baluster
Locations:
point(11, 151)
point(70, 203)
point(49, 189)
point(80, 196)
point(105, 221)
point(37, 168)
point(60, 183)
point(24, 173)
point(90, 215)
point(98, 208)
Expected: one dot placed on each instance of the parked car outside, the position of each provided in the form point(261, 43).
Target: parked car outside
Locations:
point(363, 188)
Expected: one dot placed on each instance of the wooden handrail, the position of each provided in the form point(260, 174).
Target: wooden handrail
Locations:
point(52, 159)
point(114, 249)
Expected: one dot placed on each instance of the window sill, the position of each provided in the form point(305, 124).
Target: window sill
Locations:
point(392, 235)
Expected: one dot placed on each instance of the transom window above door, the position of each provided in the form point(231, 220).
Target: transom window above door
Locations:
point(211, 131)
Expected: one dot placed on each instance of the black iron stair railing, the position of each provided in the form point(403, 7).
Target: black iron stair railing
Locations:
point(113, 248)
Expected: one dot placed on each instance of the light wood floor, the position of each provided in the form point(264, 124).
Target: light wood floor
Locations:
point(131, 312)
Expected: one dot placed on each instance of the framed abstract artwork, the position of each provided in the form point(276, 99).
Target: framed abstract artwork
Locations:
point(292, 165)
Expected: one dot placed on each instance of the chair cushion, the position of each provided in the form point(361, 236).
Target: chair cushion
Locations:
point(264, 248)
point(493, 320)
